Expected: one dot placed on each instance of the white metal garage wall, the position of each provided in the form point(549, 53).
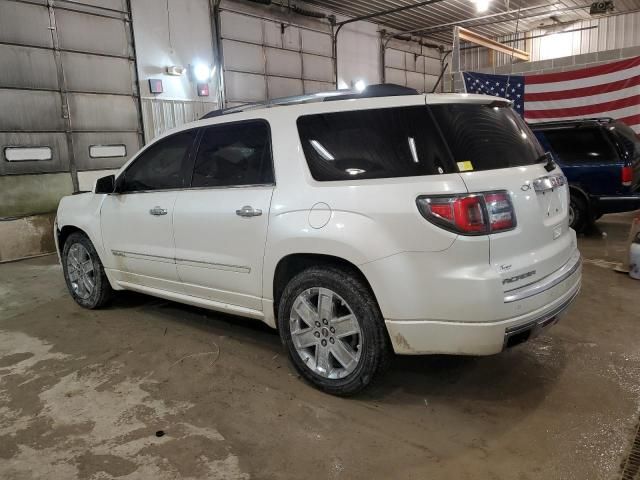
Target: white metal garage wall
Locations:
point(265, 58)
point(411, 64)
point(67, 86)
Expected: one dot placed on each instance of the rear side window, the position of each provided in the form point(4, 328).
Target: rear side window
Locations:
point(162, 166)
point(377, 143)
point(233, 155)
point(486, 137)
point(629, 139)
point(581, 145)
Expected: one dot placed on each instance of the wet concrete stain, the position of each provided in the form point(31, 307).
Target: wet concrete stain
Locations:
point(83, 394)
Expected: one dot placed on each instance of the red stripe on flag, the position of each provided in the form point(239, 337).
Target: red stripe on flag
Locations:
point(598, 108)
point(583, 73)
point(582, 92)
point(631, 120)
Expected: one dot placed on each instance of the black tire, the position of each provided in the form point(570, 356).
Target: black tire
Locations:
point(102, 291)
point(581, 213)
point(372, 343)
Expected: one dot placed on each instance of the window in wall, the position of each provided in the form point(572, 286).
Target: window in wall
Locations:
point(107, 151)
point(27, 154)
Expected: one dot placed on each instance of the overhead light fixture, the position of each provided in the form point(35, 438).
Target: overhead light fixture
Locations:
point(481, 5)
point(201, 72)
point(360, 85)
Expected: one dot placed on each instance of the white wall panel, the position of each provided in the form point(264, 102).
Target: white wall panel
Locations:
point(394, 58)
point(244, 88)
point(315, 87)
point(245, 57)
point(284, 87)
point(316, 42)
point(283, 62)
point(317, 68)
point(395, 76)
point(415, 80)
point(240, 27)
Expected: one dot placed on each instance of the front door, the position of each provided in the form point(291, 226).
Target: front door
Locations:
point(137, 220)
point(220, 223)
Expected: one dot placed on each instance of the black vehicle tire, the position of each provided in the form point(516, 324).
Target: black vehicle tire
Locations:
point(84, 273)
point(368, 350)
point(580, 213)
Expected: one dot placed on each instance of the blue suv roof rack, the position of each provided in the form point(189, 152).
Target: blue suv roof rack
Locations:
point(379, 90)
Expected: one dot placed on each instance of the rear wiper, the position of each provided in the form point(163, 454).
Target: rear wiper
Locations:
point(550, 165)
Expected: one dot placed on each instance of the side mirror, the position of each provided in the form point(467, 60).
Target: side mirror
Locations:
point(105, 184)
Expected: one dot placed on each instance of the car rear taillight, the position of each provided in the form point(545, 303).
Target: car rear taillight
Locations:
point(627, 176)
point(472, 214)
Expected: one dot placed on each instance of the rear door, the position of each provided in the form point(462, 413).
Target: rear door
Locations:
point(220, 223)
point(495, 150)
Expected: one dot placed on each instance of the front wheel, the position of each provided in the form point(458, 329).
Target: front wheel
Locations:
point(333, 330)
point(84, 273)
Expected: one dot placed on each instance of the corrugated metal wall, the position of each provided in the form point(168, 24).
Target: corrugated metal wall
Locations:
point(597, 35)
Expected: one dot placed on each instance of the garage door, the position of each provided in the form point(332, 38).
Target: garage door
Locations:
point(68, 95)
point(267, 58)
point(412, 65)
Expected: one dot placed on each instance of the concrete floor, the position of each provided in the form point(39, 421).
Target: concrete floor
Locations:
point(83, 393)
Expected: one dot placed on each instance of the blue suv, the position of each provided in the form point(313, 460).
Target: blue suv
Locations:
point(601, 160)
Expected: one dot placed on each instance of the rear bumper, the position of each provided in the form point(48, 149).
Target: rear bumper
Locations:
point(417, 337)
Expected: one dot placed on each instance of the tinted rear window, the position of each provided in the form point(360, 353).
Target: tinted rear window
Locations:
point(377, 143)
point(580, 145)
point(629, 139)
point(486, 136)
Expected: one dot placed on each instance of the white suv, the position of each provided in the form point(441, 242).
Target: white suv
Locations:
point(416, 224)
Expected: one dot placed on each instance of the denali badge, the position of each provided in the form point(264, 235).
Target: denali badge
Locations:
point(519, 277)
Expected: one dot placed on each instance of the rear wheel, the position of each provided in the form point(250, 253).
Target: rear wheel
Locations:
point(578, 213)
point(84, 273)
point(333, 330)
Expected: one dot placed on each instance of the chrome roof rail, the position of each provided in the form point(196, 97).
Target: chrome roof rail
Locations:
point(381, 90)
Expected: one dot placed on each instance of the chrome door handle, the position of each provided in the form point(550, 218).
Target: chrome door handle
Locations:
point(158, 211)
point(249, 211)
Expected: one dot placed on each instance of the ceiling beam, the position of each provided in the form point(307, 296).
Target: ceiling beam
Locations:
point(476, 38)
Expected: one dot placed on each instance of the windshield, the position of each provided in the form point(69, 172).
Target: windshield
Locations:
point(486, 137)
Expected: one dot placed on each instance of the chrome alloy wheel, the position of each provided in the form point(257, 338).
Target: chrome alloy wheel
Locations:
point(325, 333)
point(80, 271)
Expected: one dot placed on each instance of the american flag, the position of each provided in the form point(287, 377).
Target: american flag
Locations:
point(609, 90)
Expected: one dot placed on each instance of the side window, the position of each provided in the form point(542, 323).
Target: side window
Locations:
point(233, 155)
point(376, 143)
point(580, 145)
point(161, 167)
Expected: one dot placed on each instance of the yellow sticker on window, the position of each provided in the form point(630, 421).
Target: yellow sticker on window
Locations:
point(465, 166)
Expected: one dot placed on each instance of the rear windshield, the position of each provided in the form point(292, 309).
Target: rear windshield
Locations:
point(376, 143)
point(486, 137)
